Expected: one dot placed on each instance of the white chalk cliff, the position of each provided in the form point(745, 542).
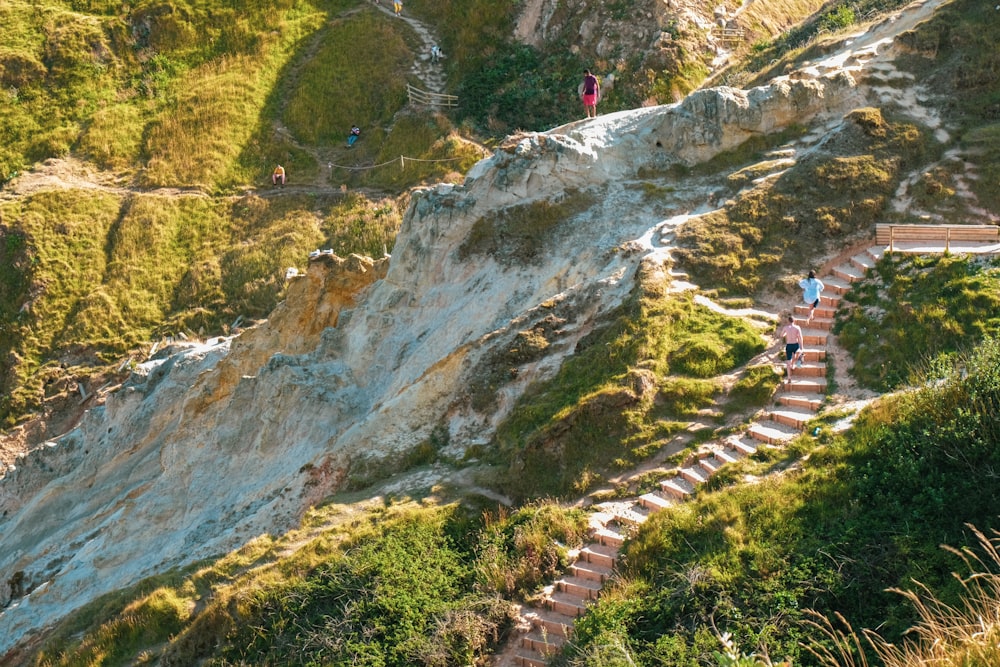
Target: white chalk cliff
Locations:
point(209, 445)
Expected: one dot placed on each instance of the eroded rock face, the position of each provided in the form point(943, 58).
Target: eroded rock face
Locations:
point(214, 444)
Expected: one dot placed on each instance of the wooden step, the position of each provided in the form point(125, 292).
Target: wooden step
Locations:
point(848, 273)
point(807, 370)
point(564, 603)
point(728, 455)
point(526, 658)
point(814, 337)
point(710, 464)
point(821, 311)
point(824, 323)
point(654, 502)
point(587, 589)
point(771, 433)
point(864, 261)
point(600, 554)
point(836, 285)
point(609, 537)
point(793, 417)
point(542, 642)
point(631, 516)
point(798, 385)
point(744, 445)
point(591, 571)
point(831, 300)
point(551, 621)
point(810, 401)
point(694, 475)
point(677, 487)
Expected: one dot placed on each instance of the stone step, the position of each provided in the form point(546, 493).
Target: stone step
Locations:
point(694, 475)
point(564, 603)
point(876, 252)
point(676, 487)
point(799, 385)
point(587, 589)
point(551, 621)
point(600, 554)
point(836, 285)
point(609, 537)
point(542, 642)
point(809, 401)
point(793, 417)
point(814, 337)
point(821, 311)
point(654, 502)
point(591, 571)
point(771, 433)
point(864, 261)
point(847, 272)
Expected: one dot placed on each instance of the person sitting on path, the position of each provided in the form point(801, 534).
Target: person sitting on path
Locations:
point(590, 93)
point(278, 175)
point(353, 136)
point(792, 334)
point(811, 289)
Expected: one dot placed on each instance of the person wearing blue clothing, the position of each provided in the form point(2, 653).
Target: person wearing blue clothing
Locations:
point(812, 287)
point(353, 136)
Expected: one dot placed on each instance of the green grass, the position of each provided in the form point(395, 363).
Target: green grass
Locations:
point(914, 309)
point(397, 584)
point(622, 392)
point(824, 198)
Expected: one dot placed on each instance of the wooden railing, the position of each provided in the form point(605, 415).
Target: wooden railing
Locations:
point(732, 35)
point(888, 234)
point(427, 99)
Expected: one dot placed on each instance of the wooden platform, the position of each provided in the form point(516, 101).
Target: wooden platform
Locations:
point(892, 236)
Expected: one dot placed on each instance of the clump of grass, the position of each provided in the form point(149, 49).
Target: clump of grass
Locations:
point(518, 234)
point(914, 309)
point(518, 551)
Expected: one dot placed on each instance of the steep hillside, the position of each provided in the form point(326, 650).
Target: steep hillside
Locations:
point(528, 335)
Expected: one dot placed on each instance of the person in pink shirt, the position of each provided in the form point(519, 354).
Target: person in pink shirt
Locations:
point(792, 333)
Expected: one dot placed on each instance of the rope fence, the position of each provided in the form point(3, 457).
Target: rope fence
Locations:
point(401, 161)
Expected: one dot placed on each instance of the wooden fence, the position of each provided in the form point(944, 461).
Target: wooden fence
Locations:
point(427, 99)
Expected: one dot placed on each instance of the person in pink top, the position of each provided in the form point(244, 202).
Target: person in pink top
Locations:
point(792, 333)
point(590, 92)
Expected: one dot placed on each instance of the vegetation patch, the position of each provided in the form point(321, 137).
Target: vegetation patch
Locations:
point(622, 393)
point(520, 234)
point(743, 244)
point(913, 309)
point(396, 585)
point(828, 536)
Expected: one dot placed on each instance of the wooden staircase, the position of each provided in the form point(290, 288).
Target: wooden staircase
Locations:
point(797, 401)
